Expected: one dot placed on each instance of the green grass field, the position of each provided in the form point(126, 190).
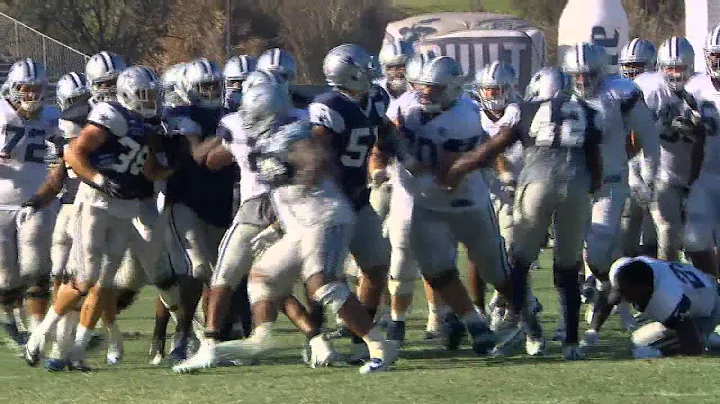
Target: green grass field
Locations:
point(425, 373)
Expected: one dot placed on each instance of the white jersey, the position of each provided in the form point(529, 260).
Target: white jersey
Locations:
point(382, 83)
point(679, 290)
point(675, 162)
point(510, 118)
point(455, 130)
point(236, 141)
point(25, 149)
point(708, 100)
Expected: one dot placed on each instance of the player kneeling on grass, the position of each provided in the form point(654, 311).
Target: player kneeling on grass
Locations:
point(682, 300)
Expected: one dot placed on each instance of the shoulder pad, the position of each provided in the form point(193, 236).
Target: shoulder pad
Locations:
point(324, 114)
point(69, 129)
point(107, 116)
point(76, 113)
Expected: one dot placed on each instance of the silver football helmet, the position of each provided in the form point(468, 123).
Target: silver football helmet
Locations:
point(264, 104)
point(237, 69)
point(393, 58)
point(27, 83)
point(202, 84)
point(676, 61)
point(414, 66)
point(349, 67)
point(637, 57)
point(440, 84)
point(278, 62)
point(171, 83)
point(547, 83)
point(585, 64)
point(495, 85)
point(138, 89)
point(102, 71)
point(712, 52)
point(70, 89)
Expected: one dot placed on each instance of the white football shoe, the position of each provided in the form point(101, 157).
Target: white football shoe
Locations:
point(204, 358)
point(534, 346)
point(590, 338)
point(376, 365)
point(572, 352)
point(157, 352)
point(114, 346)
point(322, 353)
point(32, 348)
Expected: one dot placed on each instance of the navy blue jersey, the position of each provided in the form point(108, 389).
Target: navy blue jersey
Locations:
point(122, 157)
point(355, 129)
point(208, 193)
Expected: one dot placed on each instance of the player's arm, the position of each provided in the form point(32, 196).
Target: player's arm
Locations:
point(481, 156)
point(381, 153)
point(50, 188)
point(153, 170)
point(91, 137)
point(639, 119)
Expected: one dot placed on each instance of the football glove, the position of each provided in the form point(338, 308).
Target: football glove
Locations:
point(266, 238)
point(106, 185)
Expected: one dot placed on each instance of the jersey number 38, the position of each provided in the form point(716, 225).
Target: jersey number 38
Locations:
point(133, 160)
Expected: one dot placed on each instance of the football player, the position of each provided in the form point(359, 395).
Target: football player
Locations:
point(350, 121)
point(702, 213)
point(562, 169)
point(27, 128)
point(622, 106)
point(316, 222)
point(102, 71)
point(235, 72)
point(254, 224)
point(171, 86)
point(637, 57)
point(393, 58)
point(681, 300)
point(112, 158)
point(196, 223)
point(681, 143)
point(439, 127)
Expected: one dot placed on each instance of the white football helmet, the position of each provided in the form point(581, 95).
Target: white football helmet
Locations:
point(264, 104)
point(202, 84)
point(70, 89)
point(585, 64)
point(414, 66)
point(27, 83)
point(676, 61)
point(441, 84)
point(393, 57)
point(102, 71)
point(637, 57)
point(171, 82)
point(547, 83)
point(278, 62)
point(349, 67)
point(138, 89)
point(495, 85)
point(712, 52)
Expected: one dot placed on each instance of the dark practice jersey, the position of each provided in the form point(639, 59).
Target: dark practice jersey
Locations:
point(122, 157)
point(72, 120)
point(355, 129)
point(208, 193)
point(556, 135)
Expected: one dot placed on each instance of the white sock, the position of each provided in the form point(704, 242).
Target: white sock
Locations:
point(262, 331)
point(50, 321)
point(82, 339)
point(114, 333)
point(63, 335)
point(374, 341)
point(396, 315)
point(21, 318)
point(35, 321)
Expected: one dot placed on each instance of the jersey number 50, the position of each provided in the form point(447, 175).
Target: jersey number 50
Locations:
point(132, 161)
point(356, 150)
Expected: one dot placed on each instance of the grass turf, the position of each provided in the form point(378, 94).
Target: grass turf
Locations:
point(424, 374)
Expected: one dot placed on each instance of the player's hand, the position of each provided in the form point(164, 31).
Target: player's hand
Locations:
point(106, 185)
point(378, 177)
point(451, 179)
point(266, 238)
point(28, 209)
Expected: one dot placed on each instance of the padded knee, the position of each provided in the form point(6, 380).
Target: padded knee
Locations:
point(440, 280)
point(401, 287)
point(657, 336)
point(258, 291)
point(125, 298)
point(333, 295)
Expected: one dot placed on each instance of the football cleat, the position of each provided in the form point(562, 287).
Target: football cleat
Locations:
point(572, 352)
point(56, 365)
point(375, 365)
point(455, 331)
point(483, 339)
point(204, 358)
point(32, 354)
point(157, 352)
point(79, 366)
point(396, 332)
point(322, 353)
point(590, 338)
point(179, 347)
point(359, 354)
point(114, 352)
point(535, 346)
